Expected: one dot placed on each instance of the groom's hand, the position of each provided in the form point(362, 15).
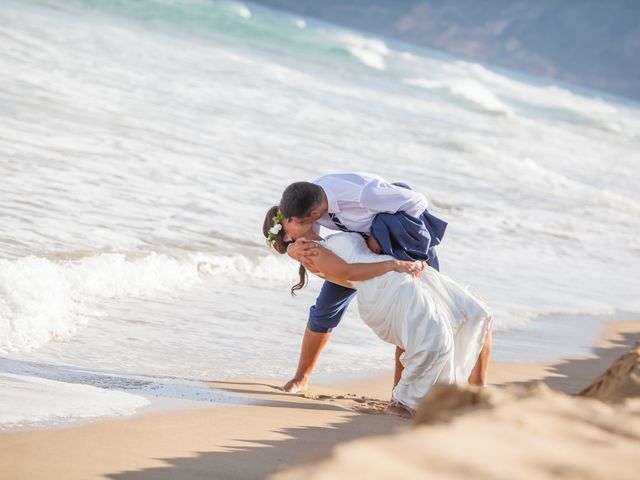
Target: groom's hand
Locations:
point(302, 251)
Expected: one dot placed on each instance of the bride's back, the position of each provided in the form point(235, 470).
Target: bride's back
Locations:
point(352, 248)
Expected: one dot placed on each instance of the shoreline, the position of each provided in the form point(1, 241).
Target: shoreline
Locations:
point(552, 340)
point(271, 431)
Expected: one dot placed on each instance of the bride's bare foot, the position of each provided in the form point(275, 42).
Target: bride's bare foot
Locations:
point(296, 385)
point(398, 410)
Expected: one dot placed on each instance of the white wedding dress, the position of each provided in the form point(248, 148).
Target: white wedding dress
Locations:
point(439, 324)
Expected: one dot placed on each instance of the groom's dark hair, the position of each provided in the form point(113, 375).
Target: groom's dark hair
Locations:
point(299, 198)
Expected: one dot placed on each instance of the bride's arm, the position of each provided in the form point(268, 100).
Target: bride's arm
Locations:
point(336, 270)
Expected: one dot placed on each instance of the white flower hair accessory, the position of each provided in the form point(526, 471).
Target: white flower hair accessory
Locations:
point(275, 230)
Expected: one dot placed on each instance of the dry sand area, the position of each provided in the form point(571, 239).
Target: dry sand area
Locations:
point(516, 428)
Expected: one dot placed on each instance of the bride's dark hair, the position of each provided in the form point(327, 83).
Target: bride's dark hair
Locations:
point(280, 246)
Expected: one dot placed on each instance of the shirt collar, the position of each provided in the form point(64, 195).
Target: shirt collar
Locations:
point(332, 201)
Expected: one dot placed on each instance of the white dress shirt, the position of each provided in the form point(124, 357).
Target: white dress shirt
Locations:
point(356, 198)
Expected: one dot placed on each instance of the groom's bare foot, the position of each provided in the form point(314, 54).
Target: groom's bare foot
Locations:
point(296, 385)
point(398, 411)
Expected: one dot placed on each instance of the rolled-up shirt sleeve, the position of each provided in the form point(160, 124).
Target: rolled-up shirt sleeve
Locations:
point(384, 197)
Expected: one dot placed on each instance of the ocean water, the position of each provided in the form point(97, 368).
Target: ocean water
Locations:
point(141, 143)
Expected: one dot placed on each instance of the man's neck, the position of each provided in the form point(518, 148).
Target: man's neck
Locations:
point(324, 207)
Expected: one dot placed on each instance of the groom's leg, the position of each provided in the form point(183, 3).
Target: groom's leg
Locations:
point(330, 305)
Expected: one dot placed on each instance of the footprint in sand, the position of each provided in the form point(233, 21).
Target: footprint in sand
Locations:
point(352, 402)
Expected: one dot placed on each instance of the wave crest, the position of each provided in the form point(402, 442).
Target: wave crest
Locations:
point(41, 299)
point(465, 91)
point(369, 51)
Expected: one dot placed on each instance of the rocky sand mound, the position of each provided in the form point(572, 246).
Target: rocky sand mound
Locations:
point(620, 381)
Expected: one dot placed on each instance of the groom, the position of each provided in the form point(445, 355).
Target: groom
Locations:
point(392, 218)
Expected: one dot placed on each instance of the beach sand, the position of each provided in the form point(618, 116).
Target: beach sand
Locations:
point(278, 432)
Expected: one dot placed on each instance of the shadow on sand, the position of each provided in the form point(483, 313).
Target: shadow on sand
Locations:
point(260, 458)
point(308, 443)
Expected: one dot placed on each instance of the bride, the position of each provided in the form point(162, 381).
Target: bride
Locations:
point(440, 325)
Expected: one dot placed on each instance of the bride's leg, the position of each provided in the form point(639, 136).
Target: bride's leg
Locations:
point(399, 367)
point(394, 407)
point(397, 409)
point(478, 375)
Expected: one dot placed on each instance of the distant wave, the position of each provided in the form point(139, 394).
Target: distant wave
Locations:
point(300, 23)
point(551, 101)
point(369, 51)
point(466, 91)
point(240, 9)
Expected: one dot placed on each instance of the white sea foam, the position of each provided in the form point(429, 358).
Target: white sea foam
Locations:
point(244, 269)
point(41, 299)
point(27, 401)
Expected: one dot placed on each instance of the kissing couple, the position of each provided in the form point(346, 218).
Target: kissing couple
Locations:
point(383, 254)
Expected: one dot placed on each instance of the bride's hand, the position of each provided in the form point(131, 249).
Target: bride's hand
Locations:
point(302, 250)
point(412, 268)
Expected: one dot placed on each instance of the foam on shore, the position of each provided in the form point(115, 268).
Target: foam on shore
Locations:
point(27, 401)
